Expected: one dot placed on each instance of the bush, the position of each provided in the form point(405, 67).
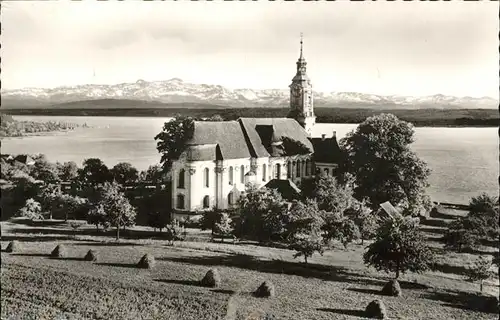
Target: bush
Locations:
point(58, 252)
point(223, 226)
point(13, 246)
point(392, 288)
point(376, 309)
point(266, 289)
point(211, 279)
point(146, 262)
point(174, 232)
point(91, 256)
point(31, 210)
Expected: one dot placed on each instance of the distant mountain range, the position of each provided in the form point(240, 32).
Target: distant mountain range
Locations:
point(175, 92)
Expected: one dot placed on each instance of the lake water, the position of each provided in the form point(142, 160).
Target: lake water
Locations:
point(464, 161)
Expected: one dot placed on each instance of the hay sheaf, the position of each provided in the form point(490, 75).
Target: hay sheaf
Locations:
point(13, 246)
point(376, 309)
point(392, 288)
point(211, 279)
point(266, 290)
point(91, 256)
point(58, 252)
point(146, 262)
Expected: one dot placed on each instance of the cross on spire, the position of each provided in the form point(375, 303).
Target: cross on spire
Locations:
point(301, 43)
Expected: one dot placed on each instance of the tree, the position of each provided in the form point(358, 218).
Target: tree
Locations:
point(97, 216)
point(215, 117)
point(486, 210)
point(31, 210)
point(223, 225)
point(379, 157)
point(462, 234)
point(171, 141)
point(157, 206)
point(158, 220)
point(115, 207)
point(349, 232)
point(482, 222)
point(124, 173)
point(45, 171)
point(11, 170)
point(68, 171)
point(366, 220)
point(331, 195)
point(341, 228)
point(304, 229)
point(482, 204)
point(118, 210)
point(50, 196)
point(72, 205)
point(262, 214)
point(399, 246)
point(154, 174)
point(209, 218)
point(480, 271)
point(24, 187)
point(94, 172)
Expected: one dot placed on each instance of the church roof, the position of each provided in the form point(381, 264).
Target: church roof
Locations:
point(227, 135)
point(260, 132)
point(286, 188)
point(201, 152)
point(244, 138)
point(300, 77)
point(326, 150)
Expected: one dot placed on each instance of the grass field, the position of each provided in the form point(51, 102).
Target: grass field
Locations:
point(334, 286)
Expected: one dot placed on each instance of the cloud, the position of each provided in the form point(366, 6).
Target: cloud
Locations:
point(116, 38)
point(454, 44)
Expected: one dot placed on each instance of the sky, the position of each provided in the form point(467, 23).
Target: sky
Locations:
point(403, 48)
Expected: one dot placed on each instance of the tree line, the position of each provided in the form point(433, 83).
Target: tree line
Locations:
point(105, 197)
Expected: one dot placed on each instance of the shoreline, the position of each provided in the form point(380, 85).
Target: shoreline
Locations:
point(433, 118)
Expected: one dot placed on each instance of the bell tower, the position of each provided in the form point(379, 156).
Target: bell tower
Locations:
point(301, 95)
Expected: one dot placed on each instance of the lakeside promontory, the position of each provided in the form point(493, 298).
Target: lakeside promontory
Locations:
point(14, 128)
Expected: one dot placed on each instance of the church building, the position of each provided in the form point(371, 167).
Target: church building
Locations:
point(222, 157)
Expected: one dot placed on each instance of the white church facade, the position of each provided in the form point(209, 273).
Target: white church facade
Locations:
point(222, 157)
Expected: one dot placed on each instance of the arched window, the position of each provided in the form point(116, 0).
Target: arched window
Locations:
point(263, 172)
point(289, 170)
point(206, 202)
point(206, 177)
point(327, 172)
point(277, 171)
point(231, 175)
point(242, 174)
point(298, 169)
point(180, 201)
point(180, 180)
point(308, 163)
point(230, 198)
